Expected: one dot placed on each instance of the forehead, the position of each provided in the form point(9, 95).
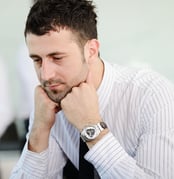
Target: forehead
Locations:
point(52, 40)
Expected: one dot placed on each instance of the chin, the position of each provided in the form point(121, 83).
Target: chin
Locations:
point(57, 96)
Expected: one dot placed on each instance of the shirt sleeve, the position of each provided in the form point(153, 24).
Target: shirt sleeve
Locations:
point(47, 164)
point(154, 152)
point(111, 161)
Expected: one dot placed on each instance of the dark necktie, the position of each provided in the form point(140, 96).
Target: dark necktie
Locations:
point(86, 169)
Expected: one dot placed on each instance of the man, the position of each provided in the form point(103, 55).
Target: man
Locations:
point(125, 116)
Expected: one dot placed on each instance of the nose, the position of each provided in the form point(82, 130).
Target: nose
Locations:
point(47, 70)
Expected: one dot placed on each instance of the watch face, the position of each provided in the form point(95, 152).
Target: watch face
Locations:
point(90, 131)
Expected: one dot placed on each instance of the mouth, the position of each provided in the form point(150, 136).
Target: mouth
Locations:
point(53, 86)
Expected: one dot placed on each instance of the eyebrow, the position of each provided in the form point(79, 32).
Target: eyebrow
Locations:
point(50, 54)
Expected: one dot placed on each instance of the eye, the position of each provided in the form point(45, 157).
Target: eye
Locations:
point(37, 60)
point(57, 58)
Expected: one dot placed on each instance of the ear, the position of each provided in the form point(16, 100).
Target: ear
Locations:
point(91, 50)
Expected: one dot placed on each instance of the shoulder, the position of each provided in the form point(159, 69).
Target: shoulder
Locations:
point(142, 84)
point(144, 78)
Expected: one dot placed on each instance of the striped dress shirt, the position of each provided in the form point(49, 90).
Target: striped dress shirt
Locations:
point(138, 107)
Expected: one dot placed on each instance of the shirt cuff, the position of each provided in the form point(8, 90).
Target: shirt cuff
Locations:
point(106, 153)
point(35, 164)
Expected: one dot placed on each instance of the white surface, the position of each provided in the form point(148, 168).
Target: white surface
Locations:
point(138, 33)
point(7, 161)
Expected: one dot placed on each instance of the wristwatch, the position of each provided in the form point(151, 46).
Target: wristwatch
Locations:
point(89, 133)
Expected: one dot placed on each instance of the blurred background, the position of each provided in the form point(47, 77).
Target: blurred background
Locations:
point(134, 33)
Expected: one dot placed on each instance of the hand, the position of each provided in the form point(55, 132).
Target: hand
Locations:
point(81, 105)
point(44, 118)
point(45, 109)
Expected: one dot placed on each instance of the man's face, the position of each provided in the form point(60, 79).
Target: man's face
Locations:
point(59, 62)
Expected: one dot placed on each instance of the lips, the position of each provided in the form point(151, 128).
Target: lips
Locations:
point(53, 87)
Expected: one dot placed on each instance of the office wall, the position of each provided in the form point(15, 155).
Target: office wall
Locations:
point(136, 32)
point(12, 20)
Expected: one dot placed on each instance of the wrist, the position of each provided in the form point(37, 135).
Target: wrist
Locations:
point(92, 133)
point(38, 140)
point(90, 144)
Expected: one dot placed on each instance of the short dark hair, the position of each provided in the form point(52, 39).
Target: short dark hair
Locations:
point(77, 15)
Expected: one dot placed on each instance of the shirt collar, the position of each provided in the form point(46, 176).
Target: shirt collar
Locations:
point(105, 88)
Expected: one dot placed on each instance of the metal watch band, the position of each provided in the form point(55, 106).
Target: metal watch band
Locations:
point(90, 132)
point(101, 125)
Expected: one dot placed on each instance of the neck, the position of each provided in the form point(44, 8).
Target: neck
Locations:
point(97, 69)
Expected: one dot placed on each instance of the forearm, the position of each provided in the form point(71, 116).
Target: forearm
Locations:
point(38, 139)
point(31, 165)
point(43, 120)
point(47, 164)
point(111, 160)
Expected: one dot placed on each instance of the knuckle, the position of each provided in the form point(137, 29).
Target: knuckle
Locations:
point(74, 90)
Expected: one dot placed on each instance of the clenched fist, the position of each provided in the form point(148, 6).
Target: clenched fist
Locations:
point(44, 118)
point(81, 105)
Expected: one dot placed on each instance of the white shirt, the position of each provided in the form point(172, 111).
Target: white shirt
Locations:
point(137, 106)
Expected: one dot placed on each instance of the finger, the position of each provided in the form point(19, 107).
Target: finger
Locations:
point(89, 79)
point(57, 108)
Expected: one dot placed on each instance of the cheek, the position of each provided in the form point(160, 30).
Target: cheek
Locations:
point(37, 73)
point(78, 75)
point(69, 75)
point(69, 70)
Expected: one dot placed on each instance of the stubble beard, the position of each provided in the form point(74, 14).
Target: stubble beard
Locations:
point(57, 96)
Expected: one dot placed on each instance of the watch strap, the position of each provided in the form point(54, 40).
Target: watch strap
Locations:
point(101, 125)
point(96, 129)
